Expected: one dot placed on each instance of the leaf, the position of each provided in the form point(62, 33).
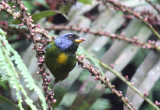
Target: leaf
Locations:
point(6, 104)
point(101, 104)
point(28, 5)
point(36, 17)
point(3, 84)
point(43, 3)
point(10, 62)
point(65, 8)
point(86, 1)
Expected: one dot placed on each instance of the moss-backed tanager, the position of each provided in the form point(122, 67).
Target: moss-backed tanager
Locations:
point(60, 55)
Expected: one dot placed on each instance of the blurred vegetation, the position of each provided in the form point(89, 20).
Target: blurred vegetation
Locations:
point(20, 87)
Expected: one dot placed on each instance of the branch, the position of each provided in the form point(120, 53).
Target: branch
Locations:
point(154, 6)
point(18, 15)
point(123, 8)
point(149, 45)
point(104, 81)
point(40, 39)
point(110, 68)
point(39, 50)
point(128, 83)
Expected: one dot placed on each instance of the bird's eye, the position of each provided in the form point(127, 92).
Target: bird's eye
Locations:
point(69, 37)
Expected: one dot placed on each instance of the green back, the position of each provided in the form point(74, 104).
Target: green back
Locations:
point(59, 71)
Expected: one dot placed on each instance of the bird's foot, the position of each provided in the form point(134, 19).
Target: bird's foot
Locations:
point(51, 92)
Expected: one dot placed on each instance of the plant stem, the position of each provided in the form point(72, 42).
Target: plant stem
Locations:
point(123, 8)
point(128, 83)
point(105, 81)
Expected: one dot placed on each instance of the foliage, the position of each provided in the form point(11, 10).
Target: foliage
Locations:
point(38, 16)
point(8, 57)
point(120, 42)
point(7, 104)
point(86, 1)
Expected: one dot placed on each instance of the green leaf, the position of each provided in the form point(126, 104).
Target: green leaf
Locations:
point(28, 5)
point(6, 104)
point(86, 1)
point(36, 17)
point(65, 8)
point(10, 62)
point(101, 104)
point(43, 3)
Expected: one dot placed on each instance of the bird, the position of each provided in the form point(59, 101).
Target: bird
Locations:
point(60, 57)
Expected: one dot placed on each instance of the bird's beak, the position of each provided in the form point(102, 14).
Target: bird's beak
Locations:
point(79, 40)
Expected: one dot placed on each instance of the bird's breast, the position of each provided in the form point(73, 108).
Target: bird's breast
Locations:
point(62, 58)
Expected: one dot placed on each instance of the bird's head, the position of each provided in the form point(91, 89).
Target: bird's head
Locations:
point(68, 42)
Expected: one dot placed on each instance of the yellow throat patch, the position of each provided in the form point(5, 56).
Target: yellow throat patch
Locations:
point(62, 58)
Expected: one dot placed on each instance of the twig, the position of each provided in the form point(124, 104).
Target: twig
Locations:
point(17, 15)
point(128, 83)
point(104, 81)
point(123, 8)
point(149, 45)
point(39, 50)
point(107, 34)
point(39, 42)
point(154, 6)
